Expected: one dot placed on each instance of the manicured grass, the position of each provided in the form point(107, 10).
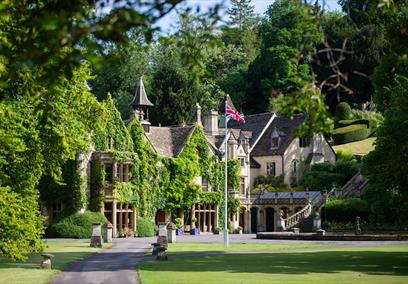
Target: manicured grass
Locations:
point(364, 265)
point(29, 272)
point(362, 147)
point(192, 248)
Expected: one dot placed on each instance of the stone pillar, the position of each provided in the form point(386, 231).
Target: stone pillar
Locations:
point(115, 170)
point(249, 225)
point(199, 217)
point(205, 219)
point(114, 218)
point(216, 216)
point(134, 220)
point(127, 216)
point(120, 218)
point(209, 218)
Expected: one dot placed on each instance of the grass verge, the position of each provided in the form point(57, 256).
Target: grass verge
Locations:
point(30, 272)
point(363, 265)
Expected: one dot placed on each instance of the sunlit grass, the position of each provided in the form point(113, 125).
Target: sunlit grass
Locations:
point(30, 272)
point(364, 265)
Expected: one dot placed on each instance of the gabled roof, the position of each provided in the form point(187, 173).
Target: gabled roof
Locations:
point(254, 123)
point(286, 128)
point(169, 141)
point(140, 98)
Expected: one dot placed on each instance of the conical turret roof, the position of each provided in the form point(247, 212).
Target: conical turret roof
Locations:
point(140, 98)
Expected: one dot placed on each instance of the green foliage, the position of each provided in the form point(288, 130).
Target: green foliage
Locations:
point(96, 186)
point(307, 100)
point(20, 225)
point(234, 205)
point(344, 156)
point(289, 34)
point(270, 183)
point(178, 222)
point(375, 118)
point(112, 128)
point(343, 111)
point(70, 190)
point(346, 210)
point(78, 225)
point(324, 176)
point(145, 227)
point(347, 134)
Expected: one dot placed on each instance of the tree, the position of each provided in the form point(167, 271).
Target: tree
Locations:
point(240, 13)
point(386, 166)
point(46, 109)
point(289, 34)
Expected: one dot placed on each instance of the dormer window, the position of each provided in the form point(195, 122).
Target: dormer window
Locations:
point(275, 139)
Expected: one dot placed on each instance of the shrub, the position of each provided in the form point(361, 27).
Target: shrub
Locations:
point(343, 111)
point(346, 210)
point(145, 227)
point(345, 156)
point(355, 132)
point(347, 122)
point(178, 222)
point(375, 118)
point(77, 225)
point(320, 181)
point(323, 176)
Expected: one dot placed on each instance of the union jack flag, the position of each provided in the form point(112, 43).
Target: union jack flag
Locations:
point(232, 113)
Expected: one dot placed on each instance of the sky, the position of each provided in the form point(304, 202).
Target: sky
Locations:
point(167, 23)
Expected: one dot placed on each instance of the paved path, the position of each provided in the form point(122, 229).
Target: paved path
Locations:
point(115, 265)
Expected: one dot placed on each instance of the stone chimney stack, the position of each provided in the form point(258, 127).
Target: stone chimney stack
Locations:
point(211, 122)
point(198, 114)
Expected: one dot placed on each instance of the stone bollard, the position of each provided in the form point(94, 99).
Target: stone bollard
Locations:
point(358, 228)
point(96, 239)
point(161, 253)
point(296, 231)
point(108, 233)
point(46, 262)
point(171, 232)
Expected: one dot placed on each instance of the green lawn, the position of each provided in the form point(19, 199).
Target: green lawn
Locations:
point(362, 147)
point(29, 272)
point(189, 248)
point(364, 265)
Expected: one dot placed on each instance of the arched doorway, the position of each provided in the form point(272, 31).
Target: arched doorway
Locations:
point(270, 218)
point(254, 218)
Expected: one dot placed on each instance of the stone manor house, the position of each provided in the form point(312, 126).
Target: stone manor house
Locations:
point(265, 145)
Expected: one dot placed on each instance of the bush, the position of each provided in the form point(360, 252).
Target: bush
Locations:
point(77, 225)
point(145, 227)
point(343, 111)
point(347, 122)
point(323, 176)
point(321, 181)
point(345, 156)
point(355, 132)
point(346, 210)
point(375, 118)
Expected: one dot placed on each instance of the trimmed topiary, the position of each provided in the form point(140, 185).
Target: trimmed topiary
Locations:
point(77, 225)
point(343, 111)
point(145, 227)
point(355, 132)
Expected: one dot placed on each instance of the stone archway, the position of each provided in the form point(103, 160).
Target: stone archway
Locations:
point(270, 219)
point(254, 219)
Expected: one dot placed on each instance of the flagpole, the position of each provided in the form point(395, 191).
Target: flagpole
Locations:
point(226, 240)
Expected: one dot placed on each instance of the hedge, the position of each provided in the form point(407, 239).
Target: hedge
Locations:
point(346, 210)
point(145, 227)
point(355, 132)
point(347, 122)
point(343, 111)
point(77, 225)
point(322, 176)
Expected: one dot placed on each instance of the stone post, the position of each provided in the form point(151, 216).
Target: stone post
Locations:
point(108, 233)
point(317, 222)
point(114, 219)
point(96, 239)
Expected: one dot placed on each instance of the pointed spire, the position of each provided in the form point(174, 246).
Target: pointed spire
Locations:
point(140, 98)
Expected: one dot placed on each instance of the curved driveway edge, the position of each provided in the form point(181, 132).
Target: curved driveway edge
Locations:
point(117, 264)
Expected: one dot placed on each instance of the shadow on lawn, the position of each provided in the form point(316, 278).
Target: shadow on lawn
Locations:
point(368, 262)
